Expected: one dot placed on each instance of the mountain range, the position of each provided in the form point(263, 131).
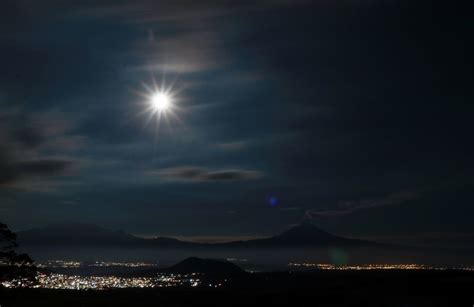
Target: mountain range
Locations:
point(299, 243)
point(302, 235)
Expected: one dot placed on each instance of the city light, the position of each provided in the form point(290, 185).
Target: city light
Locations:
point(73, 282)
point(364, 267)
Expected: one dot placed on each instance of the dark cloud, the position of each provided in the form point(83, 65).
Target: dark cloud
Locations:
point(28, 136)
point(14, 171)
point(43, 167)
point(23, 139)
point(198, 174)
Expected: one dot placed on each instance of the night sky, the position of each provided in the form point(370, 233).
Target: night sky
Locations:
point(356, 115)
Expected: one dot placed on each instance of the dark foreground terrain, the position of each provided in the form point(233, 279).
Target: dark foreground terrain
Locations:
point(321, 288)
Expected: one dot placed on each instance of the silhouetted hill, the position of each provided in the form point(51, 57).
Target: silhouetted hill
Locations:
point(205, 266)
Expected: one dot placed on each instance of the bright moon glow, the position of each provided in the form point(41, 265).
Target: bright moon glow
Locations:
point(160, 101)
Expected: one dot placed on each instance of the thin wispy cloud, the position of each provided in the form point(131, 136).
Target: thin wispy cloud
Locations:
point(349, 207)
point(200, 174)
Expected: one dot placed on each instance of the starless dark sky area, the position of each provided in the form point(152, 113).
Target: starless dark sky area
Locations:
point(356, 115)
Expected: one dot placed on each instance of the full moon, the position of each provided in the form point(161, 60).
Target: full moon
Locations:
point(160, 101)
